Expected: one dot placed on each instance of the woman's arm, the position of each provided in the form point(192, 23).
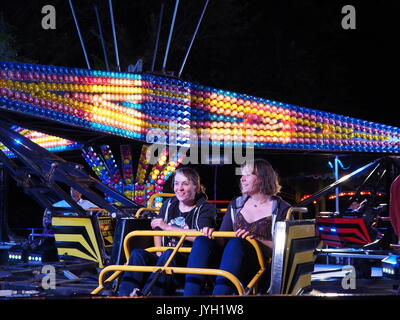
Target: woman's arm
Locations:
point(160, 223)
point(268, 243)
point(158, 243)
point(241, 233)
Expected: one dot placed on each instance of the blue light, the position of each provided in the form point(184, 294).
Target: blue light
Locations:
point(333, 229)
point(321, 228)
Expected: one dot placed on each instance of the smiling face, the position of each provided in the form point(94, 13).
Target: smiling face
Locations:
point(184, 188)
point(249, 182)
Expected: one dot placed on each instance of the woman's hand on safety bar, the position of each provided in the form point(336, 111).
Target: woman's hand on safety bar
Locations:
point(207, 231)
point(159, 224)
point(242, 233)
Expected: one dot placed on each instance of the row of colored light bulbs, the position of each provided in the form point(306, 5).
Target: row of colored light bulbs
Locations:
point(214, 95)
point(111, 164)
point(196, 89)
point(354, 124)
point(142, 165)
point(216, 138)
point(104, 114)
point(97, 165)
point(158, 175)
point(71, 115)
point(102, 171)
point(127, 171)
point(267, 108)
point(65, 104)
point(321, 125)
point(142, 192)
point(142, 187)
point(46, 69)
point(49, 146)
point(263, 117)
point(48, 142)
point(57, 82)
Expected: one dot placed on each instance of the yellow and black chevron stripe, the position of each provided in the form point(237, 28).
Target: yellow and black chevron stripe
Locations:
point(78, 237)
point(299, 256)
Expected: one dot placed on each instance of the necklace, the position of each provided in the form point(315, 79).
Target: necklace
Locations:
point(259, 204)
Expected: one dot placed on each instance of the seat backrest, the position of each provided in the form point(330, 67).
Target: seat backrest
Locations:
point(123, 227)
point(293, 256)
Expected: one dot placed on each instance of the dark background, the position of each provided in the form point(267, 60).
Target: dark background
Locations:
point(291, 51)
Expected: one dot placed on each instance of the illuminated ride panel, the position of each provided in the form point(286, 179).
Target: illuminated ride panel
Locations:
point(129, 105)
point(51, 143)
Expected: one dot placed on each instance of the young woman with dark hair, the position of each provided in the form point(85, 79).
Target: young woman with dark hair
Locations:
point(187, 210)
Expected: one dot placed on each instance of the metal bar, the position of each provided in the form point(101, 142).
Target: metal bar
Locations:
point(174, 252)
point(147, 288)
point(180, 270)
point(295, 209)
point(143, 233)
point(165, 266)
point(155, 195)
point(333, 185)
point(337, 188)
point(353, 251)
point(183, 234)
point(114, 35)
point(194, 35)
point(278, 267)
point(327, 271)
point(79, 34)
point(101, 37)
point(137, 214)
point(158, 36)
point(156, 249)
point(254, 280)
point(363, 183)
point(357, 256)
point(170, 35)
point(41, 161)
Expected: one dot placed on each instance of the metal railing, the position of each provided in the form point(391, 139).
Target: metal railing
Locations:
point(119, 269)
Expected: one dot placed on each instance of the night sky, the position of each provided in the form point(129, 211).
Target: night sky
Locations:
point(290, 51)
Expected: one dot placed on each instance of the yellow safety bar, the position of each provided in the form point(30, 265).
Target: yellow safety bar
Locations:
point(118, 269)
point(150, 203)
point(137, 214)
point(95, 210)
point(164, 195)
